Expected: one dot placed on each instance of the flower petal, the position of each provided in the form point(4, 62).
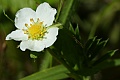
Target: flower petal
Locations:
point(17, 35)
point(46, 13)
point(23, 16)
point(50, 37)
point(32, 45)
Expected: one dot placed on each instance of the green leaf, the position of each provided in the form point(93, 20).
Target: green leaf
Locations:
point(54, 73)
point(77, 33)
point(89, 44)
point(98, 48)
point(92, 47)
point(70, 50)
point(108, 63)
point(77, 30)
point(71, 28)
point(103, 65)
point(106, 56)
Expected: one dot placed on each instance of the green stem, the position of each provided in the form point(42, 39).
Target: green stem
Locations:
point(7, 16)
point(65, 11)
point(59, 25)
point(59, 9)
point(96, 24)
point(93, 30)
point(46, 62)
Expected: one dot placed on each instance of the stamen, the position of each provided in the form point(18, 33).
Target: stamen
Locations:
point(38, 19)
point(26, 25)
point(36, 30)
point(31, 20)
point(25, 31)
point(41, 22)
point(30, 24)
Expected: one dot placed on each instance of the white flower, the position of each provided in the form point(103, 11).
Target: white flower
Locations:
point(33, 28)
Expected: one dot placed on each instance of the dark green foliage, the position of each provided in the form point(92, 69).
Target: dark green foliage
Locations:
point(81, 59)
point(67, 47)
point(105, 56)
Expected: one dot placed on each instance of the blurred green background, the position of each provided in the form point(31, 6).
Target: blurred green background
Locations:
point(101, 16)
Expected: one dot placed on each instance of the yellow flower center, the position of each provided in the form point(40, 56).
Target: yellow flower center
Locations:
point(36, 30)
